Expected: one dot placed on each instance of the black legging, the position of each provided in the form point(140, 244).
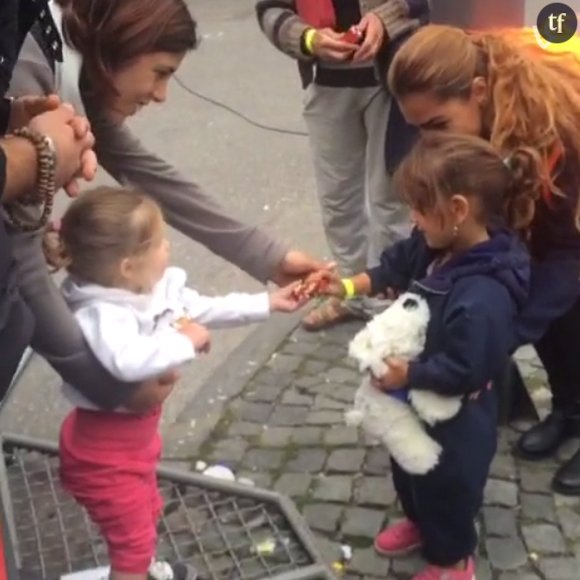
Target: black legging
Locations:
point(559, 351)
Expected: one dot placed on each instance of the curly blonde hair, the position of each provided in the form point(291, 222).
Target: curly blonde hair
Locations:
point(533, 94)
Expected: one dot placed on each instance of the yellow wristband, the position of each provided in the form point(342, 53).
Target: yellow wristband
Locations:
point(349, 289)
point(309, 40)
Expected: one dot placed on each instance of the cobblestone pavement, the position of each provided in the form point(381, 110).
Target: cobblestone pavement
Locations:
point(285, 431)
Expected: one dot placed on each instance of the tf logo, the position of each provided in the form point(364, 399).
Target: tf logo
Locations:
point(556, 24)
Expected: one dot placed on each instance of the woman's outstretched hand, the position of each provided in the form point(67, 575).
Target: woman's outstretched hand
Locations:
point(296, 266)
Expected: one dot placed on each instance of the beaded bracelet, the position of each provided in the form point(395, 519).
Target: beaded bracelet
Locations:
point(45, 190)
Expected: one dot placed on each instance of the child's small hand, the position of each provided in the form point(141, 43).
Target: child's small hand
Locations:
point(287, 299)
point(197, 334)
point(322, 283)
point(331, 284)
point(396, 376)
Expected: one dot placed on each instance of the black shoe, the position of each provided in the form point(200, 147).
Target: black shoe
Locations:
point(567, 478)
point(544, 439)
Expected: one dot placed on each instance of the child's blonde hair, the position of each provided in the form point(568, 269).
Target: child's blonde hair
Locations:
point(100, 229)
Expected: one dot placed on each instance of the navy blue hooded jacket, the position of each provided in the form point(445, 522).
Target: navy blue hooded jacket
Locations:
point(474, 300)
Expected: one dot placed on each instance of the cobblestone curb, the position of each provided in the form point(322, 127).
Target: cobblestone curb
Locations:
point(282, 426)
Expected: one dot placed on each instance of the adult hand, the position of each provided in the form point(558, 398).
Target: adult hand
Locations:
point(328, 45)
point(297, 265)
point(24, 109)
point(374, 33)
point(325, 282)
point(395, 377)
point(153, 393)
point(73, 141)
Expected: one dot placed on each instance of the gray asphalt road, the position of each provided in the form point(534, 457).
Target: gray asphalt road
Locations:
point(262, 176)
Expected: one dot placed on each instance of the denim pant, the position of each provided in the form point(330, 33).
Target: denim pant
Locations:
point(445, 502)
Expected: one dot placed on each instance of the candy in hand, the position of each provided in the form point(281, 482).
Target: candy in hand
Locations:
point(354, 35)
point(310, 288)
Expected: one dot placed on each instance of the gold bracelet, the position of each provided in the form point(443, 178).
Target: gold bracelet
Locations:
point(309, 40)
point(46, 185)
point(349, 289)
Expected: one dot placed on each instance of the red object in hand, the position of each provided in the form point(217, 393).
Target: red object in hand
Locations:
point(354, 35)
point(309, 288)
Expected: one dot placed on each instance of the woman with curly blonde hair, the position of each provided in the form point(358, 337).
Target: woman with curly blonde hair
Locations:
point(500, 85)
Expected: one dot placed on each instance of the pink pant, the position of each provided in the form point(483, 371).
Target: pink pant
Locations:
point(108, 463)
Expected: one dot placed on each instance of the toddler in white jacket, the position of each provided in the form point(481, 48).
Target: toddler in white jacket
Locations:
point(141, 321)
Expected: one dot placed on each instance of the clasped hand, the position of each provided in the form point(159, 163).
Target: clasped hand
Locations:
point(70, 133)
point(330, 45)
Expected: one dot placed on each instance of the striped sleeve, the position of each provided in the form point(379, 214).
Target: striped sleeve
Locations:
point(282, 26)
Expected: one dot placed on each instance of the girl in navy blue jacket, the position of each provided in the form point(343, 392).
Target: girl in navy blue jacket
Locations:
point(501, 86)
point(474, 276)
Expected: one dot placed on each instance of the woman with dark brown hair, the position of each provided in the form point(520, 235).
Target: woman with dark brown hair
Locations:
point(119, 56)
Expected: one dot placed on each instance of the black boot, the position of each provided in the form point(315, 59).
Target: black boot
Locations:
point(544, 439)
point(567, 478)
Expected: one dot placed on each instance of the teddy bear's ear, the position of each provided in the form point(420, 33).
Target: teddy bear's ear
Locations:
point(410, 304)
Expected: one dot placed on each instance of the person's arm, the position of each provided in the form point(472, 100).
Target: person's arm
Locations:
point(401, 17)
point(184, 204)
point(112, 333)
point(231, 310)
point(396, 267)
point(283, 27)
point(18, 168)
point(57, 335)
point(31, 75)
point(395, 271)
point(477, 342)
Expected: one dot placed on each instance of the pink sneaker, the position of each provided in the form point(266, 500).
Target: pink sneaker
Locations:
point(436, 573)
point(398, 540)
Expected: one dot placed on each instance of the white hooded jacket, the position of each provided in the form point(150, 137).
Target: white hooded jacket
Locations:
point(136, 337)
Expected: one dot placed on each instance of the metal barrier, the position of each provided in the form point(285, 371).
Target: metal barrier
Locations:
point(228, 531)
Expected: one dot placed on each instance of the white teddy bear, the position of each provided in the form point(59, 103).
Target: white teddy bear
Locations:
point(398, 332)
